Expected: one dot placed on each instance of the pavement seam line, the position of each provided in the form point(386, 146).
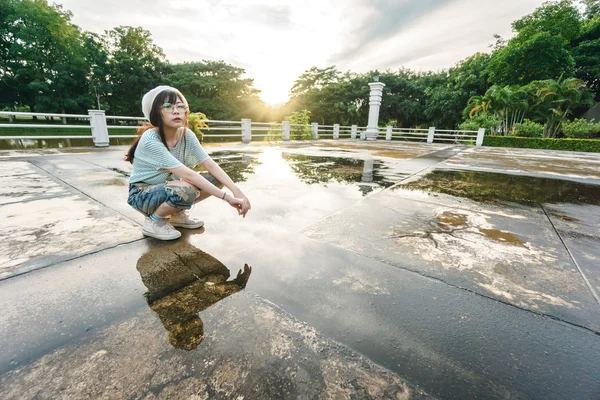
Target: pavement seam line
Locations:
point(585, 279)
point(381, 191)
point(72, 259)
point(85, 194)
point(388, 263)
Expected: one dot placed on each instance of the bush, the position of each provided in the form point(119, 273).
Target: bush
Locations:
point(300, 118)
point(196, 123)
point(528, 129)
point(580, 128)
point(589, 145)
point(489, 122)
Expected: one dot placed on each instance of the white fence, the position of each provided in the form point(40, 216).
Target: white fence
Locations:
point(245, 130)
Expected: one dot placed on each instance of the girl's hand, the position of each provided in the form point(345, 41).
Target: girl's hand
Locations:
point(241, 205)
point(246, 206)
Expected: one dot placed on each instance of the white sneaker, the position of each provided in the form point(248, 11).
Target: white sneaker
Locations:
point(161, 230)
point(182, 219)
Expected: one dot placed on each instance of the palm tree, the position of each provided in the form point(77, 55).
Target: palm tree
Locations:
point(509, 104)
point(558, 98)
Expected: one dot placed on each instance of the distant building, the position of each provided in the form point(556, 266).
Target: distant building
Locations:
point(593, 113)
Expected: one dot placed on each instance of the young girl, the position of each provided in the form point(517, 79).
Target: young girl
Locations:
point(162, 186)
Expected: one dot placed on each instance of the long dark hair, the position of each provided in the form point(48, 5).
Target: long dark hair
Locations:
point(156, 121)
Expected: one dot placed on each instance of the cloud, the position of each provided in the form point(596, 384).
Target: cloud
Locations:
point(438, 39)
point(276, 40)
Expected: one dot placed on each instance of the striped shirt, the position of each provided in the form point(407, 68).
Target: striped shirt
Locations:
point(152, 160)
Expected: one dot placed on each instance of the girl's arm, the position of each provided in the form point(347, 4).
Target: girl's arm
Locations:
point(194, 178)
point(213, 168)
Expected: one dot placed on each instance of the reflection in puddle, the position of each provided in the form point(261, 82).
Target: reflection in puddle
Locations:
point(502, 237)
point(457, 220)
point(29, 144)
point(182, 280)
point(273, 164)
point(493, 187)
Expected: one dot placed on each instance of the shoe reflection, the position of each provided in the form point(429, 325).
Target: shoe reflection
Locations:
point(182, 280)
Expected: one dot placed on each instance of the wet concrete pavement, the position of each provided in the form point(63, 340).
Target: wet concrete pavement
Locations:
point(377, 271)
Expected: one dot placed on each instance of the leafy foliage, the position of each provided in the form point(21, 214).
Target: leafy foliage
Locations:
point(528, 128)
point(580, 128)
point(590, 145)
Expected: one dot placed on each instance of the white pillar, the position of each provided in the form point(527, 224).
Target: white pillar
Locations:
point(246, 130)
point(314, 127)
point(336, 131)
point(480, 135)
point(99, 129)
point(388, 132)
point(353, 131)
point(374, 104)
point(430, 135)
point(285, 130)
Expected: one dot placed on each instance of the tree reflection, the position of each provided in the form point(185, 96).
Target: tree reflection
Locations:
point(323, 170)
point(237, 165)
point(493, 187)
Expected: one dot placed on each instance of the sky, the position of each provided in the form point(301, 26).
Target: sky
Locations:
point(275, 41)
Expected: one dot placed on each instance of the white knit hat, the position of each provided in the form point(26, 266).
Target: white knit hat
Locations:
point(149, 97)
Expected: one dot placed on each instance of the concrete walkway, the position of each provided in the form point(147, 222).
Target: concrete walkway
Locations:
point(364, 270)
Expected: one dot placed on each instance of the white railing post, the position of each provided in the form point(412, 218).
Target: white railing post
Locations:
point(353, 131)
point(99, 129)
point(315, 130)
point(246, 130)
point(430, 135)
point(285, 130)
point(388, 132)
point(336, 131)
point(480, 135)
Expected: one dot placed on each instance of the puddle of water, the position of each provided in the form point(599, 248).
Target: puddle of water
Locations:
point(367, 175)
point(453, 219)
point(493, 188)
point(31, 144)
point(502, 237)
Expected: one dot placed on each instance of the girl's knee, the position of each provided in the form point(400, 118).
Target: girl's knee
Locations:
point(182, 196)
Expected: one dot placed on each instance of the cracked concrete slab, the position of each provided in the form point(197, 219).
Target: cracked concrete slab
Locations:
point(517, 261)
point(46, 231)
point(579, 228)
point(381, 326)
point(573, 165)
point(252, 350)
point(46, 221)
point(238, 344)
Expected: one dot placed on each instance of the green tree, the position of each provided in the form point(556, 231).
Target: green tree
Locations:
point(447, 94)
point(216, 88)
point(557, 18)
point(558, 99)
point(538, 57)
point(586, 53)
point(97, 60)
point(509, 104)
point(43, 62)
point(136, 65)
point(331, 96)
point(592, 8)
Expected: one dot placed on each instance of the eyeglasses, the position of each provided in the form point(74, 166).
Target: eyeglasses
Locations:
point(171, 107)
